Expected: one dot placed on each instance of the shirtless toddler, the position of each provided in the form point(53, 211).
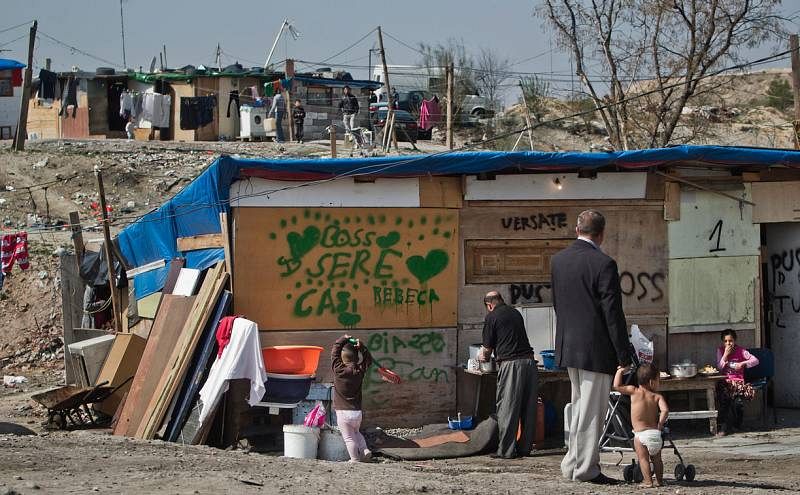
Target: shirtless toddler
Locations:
point(649, 412)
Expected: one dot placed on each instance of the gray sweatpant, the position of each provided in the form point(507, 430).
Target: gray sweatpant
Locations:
point(517, 389)
point(589, 406)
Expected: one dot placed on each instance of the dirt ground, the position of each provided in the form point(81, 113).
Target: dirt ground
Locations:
point(90, 461)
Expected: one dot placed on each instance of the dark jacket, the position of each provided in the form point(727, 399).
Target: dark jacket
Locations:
point(591, 332)
point(348, 378)
point(504, 332)
point(349, 104)
point(298, 115)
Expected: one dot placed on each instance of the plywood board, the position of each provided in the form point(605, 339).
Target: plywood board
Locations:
point(160, 344)
point(195, 242)
point(636, 237)
point(440, 192)
point(175, 266)
point(424, 358)
point(147, 307)
point(713, 225)
point(120, 365)
point(706, 291)
point(776, 202)
point(672, 201)
point(627, 185)
point(317, 268)
point(344, 192)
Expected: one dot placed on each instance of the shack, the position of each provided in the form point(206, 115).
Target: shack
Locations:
point(10, 96)
point(400, 250)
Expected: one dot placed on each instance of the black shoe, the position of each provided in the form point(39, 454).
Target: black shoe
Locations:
point(602, 479)
point(498, 456)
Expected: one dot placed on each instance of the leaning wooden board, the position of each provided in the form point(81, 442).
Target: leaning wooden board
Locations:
point(176, 366)
point(165, 333)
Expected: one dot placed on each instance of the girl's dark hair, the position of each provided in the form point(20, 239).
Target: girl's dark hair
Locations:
point(726, 332)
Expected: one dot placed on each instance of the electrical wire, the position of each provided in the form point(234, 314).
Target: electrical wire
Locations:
point(15, 27)
point(78, 50)
point(14, 40)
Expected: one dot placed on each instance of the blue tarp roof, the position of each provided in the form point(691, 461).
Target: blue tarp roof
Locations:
point(195, 210)
point(6, 64)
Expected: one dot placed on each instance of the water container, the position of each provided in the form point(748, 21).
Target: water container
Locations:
point(300, 442)
point(332, 447)
point(548, 359)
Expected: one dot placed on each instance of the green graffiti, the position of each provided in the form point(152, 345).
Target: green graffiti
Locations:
point(306, 214)
point(428, 267)
point(388, 240)
point(299, 245)
point(273, 236)
point(447, 234)
point(348, 320)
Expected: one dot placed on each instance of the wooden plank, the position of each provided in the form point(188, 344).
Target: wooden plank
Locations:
point(165, 333)
point(776, 202)
point(678, 415)
point(145, 268)
point(627, 185)
point(173, 273)
point(226, 242)
point(424, 358)
point(195, 242)
point(440, 192)
point(120, 365)
point(346, 267)
point(147, 307)
point(175, 369)
point(672, 201)
point(655, 187)
point(187, 282)
point(510, 260)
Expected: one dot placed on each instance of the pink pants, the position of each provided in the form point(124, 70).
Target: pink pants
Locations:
point(349, 423)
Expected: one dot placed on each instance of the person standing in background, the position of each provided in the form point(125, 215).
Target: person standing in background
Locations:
point(298, 117)
point(279, 110)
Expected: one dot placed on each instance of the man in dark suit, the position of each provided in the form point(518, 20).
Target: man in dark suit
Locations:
point(591, 340)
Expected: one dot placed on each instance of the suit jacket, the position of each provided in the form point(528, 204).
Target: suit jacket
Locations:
point(591, 332)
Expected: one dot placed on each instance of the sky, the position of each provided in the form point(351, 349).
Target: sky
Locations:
point(191, 31)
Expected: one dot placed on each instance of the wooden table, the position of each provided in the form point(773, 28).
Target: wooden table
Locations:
point(697, 383)
point(545, 377)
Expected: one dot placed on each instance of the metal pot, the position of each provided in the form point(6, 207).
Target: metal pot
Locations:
point(488, 366)
point(683, 370)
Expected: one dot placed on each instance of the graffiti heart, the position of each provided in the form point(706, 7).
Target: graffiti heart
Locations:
point(428, 267)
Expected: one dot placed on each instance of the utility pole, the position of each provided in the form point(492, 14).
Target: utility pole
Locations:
point(795, 46)
point(166, 65)
point(115, 303)
point(122, 26)
point(219, 58)
point(450, 70)
point(390, 103)
point(22, 124)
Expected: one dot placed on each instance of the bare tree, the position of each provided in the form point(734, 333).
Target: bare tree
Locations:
point(673, 44)
point(491, 72)
point(535, 92)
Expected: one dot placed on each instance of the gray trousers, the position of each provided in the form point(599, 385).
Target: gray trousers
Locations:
point(588, 411)
point(517, 389)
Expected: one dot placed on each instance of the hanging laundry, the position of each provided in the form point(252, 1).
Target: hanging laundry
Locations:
point(430, 113)
point(254, 92)
point(16, 78)
point(126, 105)
point(14, 247)
point(166, 111)
point(197, 111)
point(47, 85)
point(276, 86)
point(269, 91)
point(156, 108)
point(286, 84)
point(69, 97)
point(224, 333)
point(233, 97)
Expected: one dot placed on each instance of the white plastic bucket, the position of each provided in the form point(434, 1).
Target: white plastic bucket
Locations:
point(300, 441)
point(332, 447)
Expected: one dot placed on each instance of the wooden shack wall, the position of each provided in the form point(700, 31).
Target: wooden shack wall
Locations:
point(424, 357)
point(206, 86)
point(179, 90)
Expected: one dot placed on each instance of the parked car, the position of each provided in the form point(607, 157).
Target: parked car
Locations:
point(404, 123)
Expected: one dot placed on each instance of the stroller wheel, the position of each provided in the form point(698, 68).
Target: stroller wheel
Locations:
point(690, 472)
point(680, 471)
point(627, 473)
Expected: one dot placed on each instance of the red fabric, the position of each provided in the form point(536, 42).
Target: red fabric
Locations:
point(224, 333)
point(16, 78)
point(14, 247)
point(430, 114)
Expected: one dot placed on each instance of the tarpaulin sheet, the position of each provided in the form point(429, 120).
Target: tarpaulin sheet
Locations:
point(195, 210)
point(6, 64)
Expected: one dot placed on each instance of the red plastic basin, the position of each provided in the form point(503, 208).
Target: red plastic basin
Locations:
point(292, 359)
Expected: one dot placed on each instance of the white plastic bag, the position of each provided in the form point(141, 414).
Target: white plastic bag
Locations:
point(642, 345)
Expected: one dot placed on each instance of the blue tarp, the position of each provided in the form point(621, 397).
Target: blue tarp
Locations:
point(195, 210)
point(6, 64)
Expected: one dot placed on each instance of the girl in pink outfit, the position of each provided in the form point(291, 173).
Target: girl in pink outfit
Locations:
point(732, 360)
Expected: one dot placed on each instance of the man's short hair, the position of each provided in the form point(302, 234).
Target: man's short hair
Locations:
point(646, 373)
point(346, 87)
point(591, 222)
point(493, 297)
point(349, 353)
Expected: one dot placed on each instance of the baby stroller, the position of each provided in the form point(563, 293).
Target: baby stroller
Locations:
point(362, 141)
point(618, 436)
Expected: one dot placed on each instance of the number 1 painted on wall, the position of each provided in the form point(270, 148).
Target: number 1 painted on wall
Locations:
point(718, 232)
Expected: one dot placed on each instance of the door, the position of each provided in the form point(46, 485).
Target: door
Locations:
point(782, 301)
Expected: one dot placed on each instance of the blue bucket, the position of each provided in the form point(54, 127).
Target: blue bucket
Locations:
point(548, 359)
